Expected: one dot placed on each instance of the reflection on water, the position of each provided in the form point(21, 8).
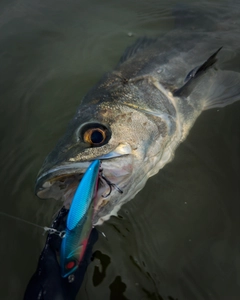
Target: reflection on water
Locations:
point(117, 288)
point(100, 270)
point(179, 237)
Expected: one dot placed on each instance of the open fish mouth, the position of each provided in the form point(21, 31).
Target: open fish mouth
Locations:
point(61, 182)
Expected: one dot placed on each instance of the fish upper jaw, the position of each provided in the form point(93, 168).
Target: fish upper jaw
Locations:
point(52, 183)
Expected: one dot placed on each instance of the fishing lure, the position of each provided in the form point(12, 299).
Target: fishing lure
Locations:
point(79, 221)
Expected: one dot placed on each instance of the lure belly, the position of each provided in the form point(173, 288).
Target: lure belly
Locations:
point(79, 221)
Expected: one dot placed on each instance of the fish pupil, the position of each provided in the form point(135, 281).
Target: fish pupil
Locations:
point(96, 137)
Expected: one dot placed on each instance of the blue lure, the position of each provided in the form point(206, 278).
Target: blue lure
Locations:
point(79, 221)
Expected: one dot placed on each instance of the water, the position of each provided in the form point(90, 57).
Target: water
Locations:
point(179, 237)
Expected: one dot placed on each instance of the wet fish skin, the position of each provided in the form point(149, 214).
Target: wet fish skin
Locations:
point(146, 119)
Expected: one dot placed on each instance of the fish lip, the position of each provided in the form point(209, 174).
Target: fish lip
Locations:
point(68, 168)
point(58, 172)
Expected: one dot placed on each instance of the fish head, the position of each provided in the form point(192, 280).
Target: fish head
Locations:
point(108, 129)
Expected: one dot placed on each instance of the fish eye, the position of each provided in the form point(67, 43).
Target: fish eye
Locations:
point(95, 134)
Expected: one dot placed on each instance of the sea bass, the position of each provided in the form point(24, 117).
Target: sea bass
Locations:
point(136, 116)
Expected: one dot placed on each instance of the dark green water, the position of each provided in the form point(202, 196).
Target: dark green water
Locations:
point(179, 237)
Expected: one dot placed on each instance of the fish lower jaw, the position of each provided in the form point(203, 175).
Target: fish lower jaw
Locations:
point(114, 212)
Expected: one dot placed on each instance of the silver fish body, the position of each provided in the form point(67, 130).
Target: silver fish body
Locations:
point(136, 116)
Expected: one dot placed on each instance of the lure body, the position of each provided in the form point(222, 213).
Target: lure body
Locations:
point(79, 221)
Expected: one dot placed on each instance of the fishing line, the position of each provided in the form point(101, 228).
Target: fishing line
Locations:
point(45, 228)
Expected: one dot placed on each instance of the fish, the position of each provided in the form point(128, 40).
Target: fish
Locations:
point(79, 221)
point(136, 116)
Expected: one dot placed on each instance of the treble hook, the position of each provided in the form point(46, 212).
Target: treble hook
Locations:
point(110, 184)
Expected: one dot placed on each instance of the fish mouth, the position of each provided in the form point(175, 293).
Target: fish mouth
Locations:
point(61, 181)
